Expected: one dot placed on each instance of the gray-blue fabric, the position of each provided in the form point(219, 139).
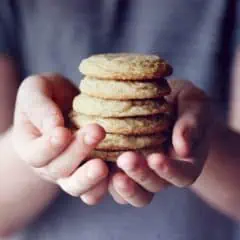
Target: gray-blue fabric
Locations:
point(198, 37)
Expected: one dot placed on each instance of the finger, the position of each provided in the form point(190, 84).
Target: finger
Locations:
point(130, 191)
point(193, 126)
point(96, 194)
point(85, 140)
point(40, 151)
point(35, 104)
point(178, 173)
point(190, 140)
point(184, 92)
point(135, 166)
point(185, 135)
point(84, 178)
point(116, 197)
point(63, 90)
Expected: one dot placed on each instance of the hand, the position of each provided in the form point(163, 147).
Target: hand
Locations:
point(41, 139)
point(138, 178)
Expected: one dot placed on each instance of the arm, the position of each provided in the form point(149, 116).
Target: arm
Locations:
point(21, 197)
point(48, 151)
point(219, 183)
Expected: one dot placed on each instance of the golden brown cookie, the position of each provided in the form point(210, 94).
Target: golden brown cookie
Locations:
point(123, 142)
point(112, 108)
point(125, 66)
point(113, 155)
point(124, 90)
point(126, 126)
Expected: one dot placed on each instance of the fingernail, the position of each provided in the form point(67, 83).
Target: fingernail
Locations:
point(127, 166)
point(93, 173)
point(90, 140)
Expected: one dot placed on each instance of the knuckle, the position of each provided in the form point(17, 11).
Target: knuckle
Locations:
point(143, 175)
point(58, 172)
point(81, 150)
point(44, 174)
point(59, 169)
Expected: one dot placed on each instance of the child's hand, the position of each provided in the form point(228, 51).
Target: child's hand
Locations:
point(42, 141)
point(141, 177)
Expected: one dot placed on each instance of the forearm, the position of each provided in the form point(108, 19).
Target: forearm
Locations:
point(23, 195)
point(219, 183)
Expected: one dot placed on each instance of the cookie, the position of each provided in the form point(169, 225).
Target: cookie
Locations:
point(124, 90)
point(113, 155)
point(125, 66)
point(112, 108)
point(125, 126)
point(123, 142)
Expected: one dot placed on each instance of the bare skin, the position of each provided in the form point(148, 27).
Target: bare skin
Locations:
point(38, 144)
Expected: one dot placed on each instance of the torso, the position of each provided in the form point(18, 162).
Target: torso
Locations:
point(57, 34)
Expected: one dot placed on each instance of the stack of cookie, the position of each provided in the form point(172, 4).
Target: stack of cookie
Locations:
point(124, 93)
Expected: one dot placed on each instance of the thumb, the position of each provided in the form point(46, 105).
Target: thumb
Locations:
point(190, 141)
point(186, 157)
point(39, 123)
point(191, 129)
point(35, 105)
point(186, 135)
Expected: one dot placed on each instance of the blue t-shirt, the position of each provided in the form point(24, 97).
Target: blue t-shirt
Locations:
point(198, 37)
